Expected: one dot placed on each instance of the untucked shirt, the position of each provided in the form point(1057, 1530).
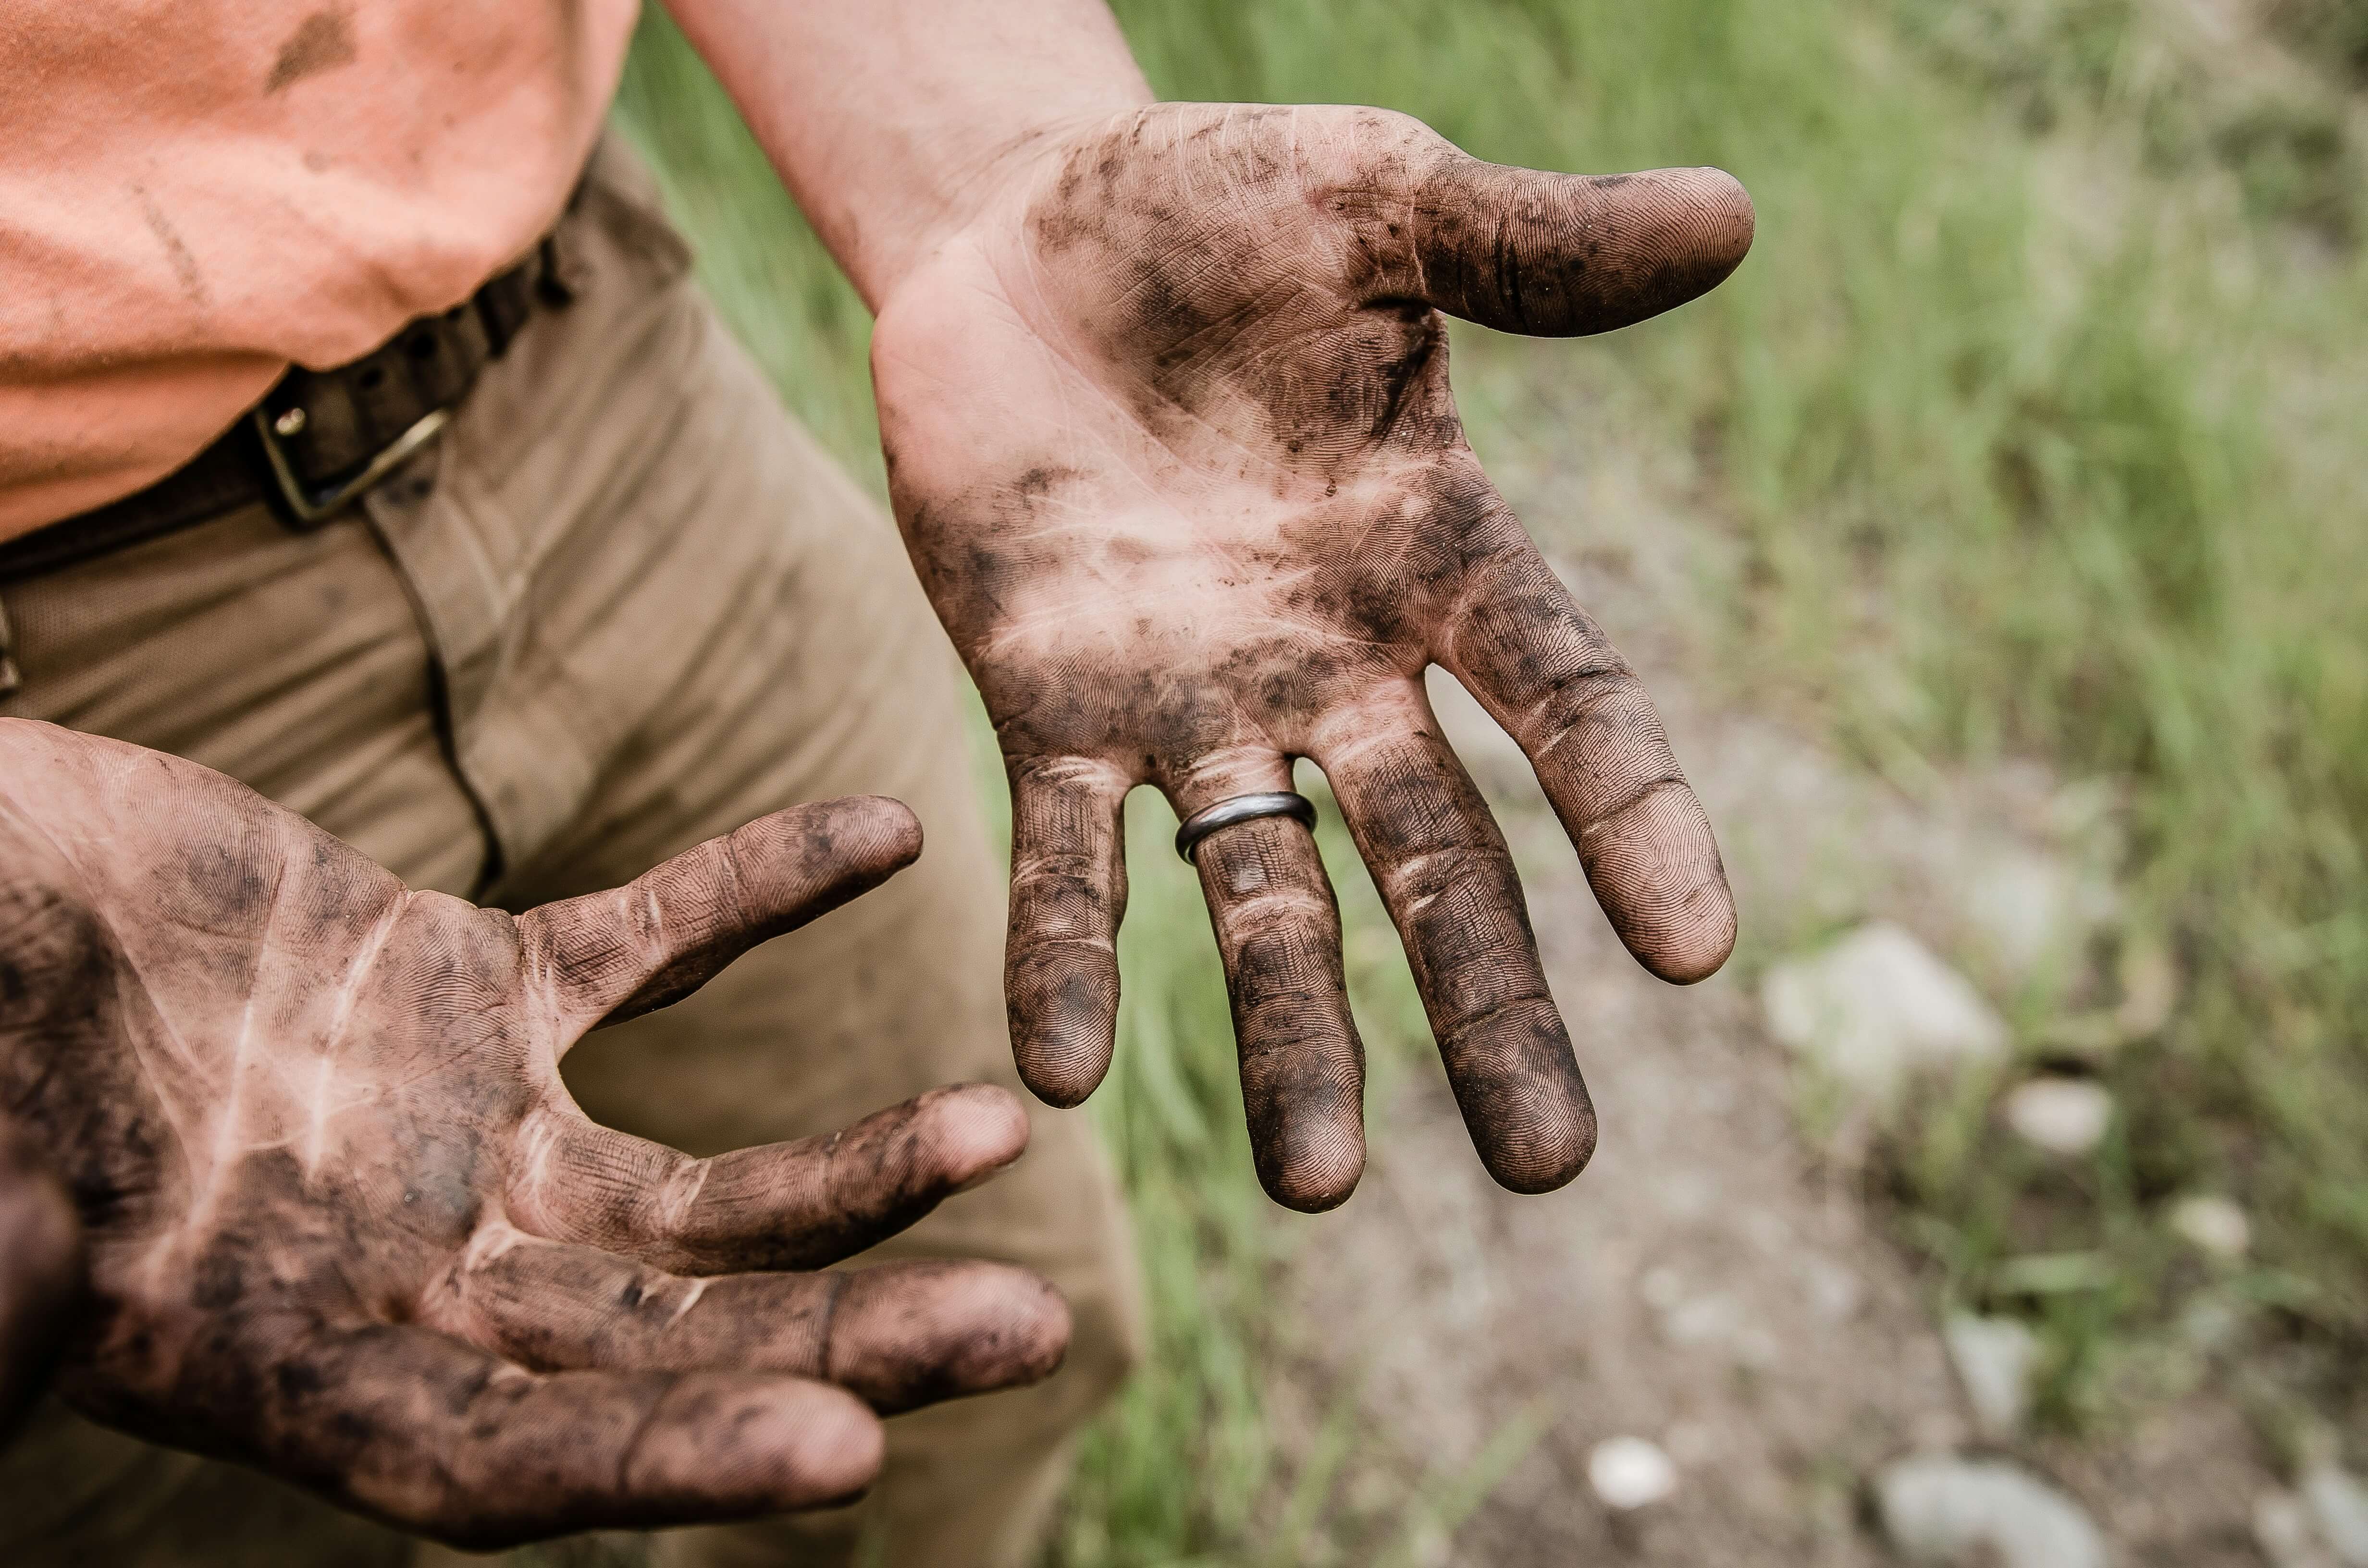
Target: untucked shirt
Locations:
point(195, 193)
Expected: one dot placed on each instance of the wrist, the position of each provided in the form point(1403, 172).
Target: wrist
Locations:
point(895, 124)
point(989, 190)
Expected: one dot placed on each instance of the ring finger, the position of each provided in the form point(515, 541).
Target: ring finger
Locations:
point(1278, 932)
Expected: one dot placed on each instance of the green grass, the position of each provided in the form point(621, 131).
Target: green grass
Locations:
point(2035, 426)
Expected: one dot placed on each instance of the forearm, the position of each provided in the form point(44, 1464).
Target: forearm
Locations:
point(891, 122)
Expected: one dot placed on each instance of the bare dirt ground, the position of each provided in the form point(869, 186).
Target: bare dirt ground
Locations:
point(1712, 1283)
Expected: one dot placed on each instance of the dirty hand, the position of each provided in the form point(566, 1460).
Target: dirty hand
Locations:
point(1171, 441)
point(343, 1222)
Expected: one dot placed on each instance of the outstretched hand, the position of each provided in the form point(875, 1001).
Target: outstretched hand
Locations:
point(1171, 441)
point(345, 1223)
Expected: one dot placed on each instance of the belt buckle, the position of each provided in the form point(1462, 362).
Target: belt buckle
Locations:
point(311, 507)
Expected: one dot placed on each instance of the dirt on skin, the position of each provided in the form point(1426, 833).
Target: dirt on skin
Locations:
point(1712, 1282)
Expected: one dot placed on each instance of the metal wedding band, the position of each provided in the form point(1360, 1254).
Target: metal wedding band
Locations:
point(1241, 808)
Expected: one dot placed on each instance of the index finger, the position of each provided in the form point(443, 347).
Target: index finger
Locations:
point(606, 957)
point(1544, 671)
point(798, 1205)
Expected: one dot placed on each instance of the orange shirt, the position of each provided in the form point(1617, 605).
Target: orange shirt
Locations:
point(195, 193)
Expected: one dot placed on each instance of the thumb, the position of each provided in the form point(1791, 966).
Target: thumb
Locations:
point(1562, 256)
point(611, 956)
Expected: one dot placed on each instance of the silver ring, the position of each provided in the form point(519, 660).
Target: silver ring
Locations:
point(1241, 808)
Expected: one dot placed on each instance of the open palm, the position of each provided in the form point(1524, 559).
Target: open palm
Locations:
point(344, 1222)
point(1171, 440)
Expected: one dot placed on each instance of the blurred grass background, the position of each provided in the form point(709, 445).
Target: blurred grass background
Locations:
point(2036, 422)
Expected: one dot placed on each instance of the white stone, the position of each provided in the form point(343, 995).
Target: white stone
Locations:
point(1630, 1472)
point(2284, 1533)
point(1993, 1357)
point(1942, 1510)
point(2212, 1225)
point(1702, 1320)
point(2025, 906)
point(1836, 1294)
point(1662, 1288)
point(1877, 1006)
point(2338, 1507)
point(2211, 1323)
point(2063, 1116)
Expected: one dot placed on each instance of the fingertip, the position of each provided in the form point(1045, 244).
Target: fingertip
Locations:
point(1690, 229)
point(915, 1333)
point(884, 831)
point(1701, 943)
point(1655, 866)
point(1054, 1325)
point(1309, 1147)
point(1730, 219)
point(1523, 1099)
point(1062, 1033)
point(722, 1446)
point(1060, 1090)
point(1546, 1156)
point(1318, 1181)
point(1019, 1329)
point(831, 1446)
point(978, 1131)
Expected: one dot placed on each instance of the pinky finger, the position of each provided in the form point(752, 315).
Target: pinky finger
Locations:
point(451, 1441)
point(1068, 893)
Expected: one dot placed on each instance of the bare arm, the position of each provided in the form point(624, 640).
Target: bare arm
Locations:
point(892, 122)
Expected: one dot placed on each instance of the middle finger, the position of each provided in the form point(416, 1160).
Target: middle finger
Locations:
point(797, 1205)
point(1448, 881)
point(1278, 933)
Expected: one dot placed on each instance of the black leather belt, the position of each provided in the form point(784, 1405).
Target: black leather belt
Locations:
point(319, 438)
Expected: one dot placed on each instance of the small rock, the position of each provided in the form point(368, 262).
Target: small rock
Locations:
point(1702, 1320)
point(2025, 905)
point(1877, 1005)
point(2282, 1530)
point(1942, 1510)
point(2210, 1324)
point(1993, 1357)
point(2063, 1116)
point(1662, 1288)
point(1430, 1546)
point(1630, 1472)
point(2338, 1507)
point(2213, 1225)
point(1835, 1293)
point(1720, 1322)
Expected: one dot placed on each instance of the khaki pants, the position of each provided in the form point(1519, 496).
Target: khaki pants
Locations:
point(624, 604)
